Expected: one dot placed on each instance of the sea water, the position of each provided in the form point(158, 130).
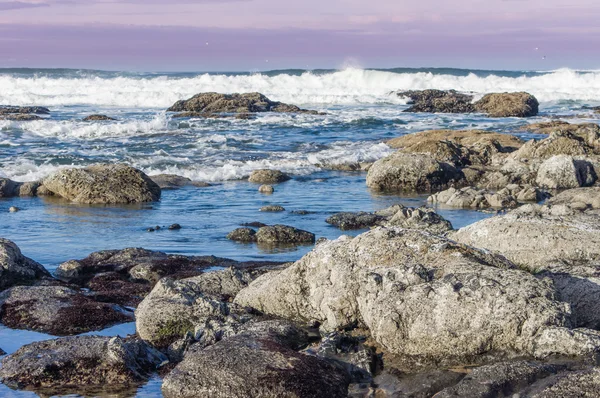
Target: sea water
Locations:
point(362, 112)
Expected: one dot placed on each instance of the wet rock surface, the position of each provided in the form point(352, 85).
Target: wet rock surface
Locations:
point(16, 269)
point(97, 118)
point(103, 184)
point(173, 181)
point(266, 176)
point(508, 105)
point(438, 101)
point(74, 364)
point(9, 188)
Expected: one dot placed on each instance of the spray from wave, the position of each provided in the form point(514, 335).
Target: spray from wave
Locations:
point(347, 87)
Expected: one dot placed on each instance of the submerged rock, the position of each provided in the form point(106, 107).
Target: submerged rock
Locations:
point(16, 269)
point(20, 117)
point(272, 208)
point(423, 298)
point(412, 172)
point(96, 118)
point(254, 364)
point(508, 105)
point(209, 103)
point(265, 176)
point(38, 110)
point(74, 364)
point(56, 310)
point(283, 234)
point(103, 184)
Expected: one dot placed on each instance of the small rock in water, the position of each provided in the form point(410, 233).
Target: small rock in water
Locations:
point(268, 189)
point(13, 209)
point(150, 229)
point(174, 227)
point(272, 208)
point(255, 224)
point(157, 228)
point(301, 212)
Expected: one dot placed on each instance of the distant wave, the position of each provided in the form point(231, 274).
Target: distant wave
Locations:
point(345, 87)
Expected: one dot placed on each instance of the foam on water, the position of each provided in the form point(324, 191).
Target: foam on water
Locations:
point(349, 86)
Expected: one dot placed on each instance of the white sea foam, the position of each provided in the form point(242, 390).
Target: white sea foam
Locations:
point(349, 86)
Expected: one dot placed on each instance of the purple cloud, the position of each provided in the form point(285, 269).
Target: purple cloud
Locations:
point(15, 5)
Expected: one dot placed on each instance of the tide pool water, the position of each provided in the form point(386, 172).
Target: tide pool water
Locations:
point(361, 114)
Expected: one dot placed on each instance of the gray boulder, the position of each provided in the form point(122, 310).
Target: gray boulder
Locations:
point(98, 118)
point(173, 181)
point(75, 364)
point(265, 176)
point(283, 234)
point(245, 235)
point(423, 297)
point(578, 198)
point(412, 172)
point(508, 105)
point(103, 184)
point(563, 172)
point(16, 269)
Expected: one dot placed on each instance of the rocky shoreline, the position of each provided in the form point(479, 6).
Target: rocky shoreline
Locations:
point(507, 306)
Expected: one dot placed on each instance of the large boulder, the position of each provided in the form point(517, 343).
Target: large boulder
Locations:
point(423, 298)
point(508, 105)
point(210, 103)
point(412, 172)
point(563, 172)
point(57, 310)
point(255, 364)
point(79, 364)
point(533, 239)
point(438, 101)
point(578, 198)
point(16, 269)
point(104, 183)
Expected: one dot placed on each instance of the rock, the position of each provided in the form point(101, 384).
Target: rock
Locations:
point(254, 224)
point(96, 118)
point(348, 221)
point(562, 171)
point(104, 183)
point(265, 176)
point(13, 209)
point(283, 234)
point(577, 141)
point(268, 189)
point(16, 269)
point(589, 197)
point(9, 188)
point(174, 227)
point(470, 197)
point(245, 365)
point(584, 383)
point(457, 147)
point(38, 110)
point(412, 172)
point(589, 133)
point(508, 105)
point(175, 308)
point(56, 310)
point(272, 208)
point(413, 291)
point(438, 101)
point(424, 384)
point(533, 240)
point(500, 379)
point(170, 181)
point(29, 188)
point(208, 103)
point(246, 235)
point(20, 117)
point(73, 364)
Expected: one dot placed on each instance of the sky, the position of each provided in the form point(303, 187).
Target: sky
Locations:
point(250, 35)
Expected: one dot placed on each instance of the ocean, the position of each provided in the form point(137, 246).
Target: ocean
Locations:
point(361, 114)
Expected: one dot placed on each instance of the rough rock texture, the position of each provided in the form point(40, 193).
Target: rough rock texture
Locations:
point(254, 364)
point(9, 188)
point(173, 181)
point(458, 147)
point(207, 103)
point(272, 208)
point(438, 101)
point(76, 363)
point(360, 220)
point(175, 308)
point(20, 117)
point(563, 128)
point(97, 118)
point(579, 198)
point(578, 140)
point(424, 298)
point(16, 269)
point(508, 105)
point(283, 234)
point(470, 197)
point(563, 172)
point(265, 176)
point(56, 310)
point(246, 235)
point(267, 189)
point(104, 183)
point(412, 172)
point(38, 110)
point(533, 240)
point(584, 383)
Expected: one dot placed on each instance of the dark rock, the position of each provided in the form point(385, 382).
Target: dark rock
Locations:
point(272, 208)
point(246, 235)
point(246, 365)
point(254, 224)
point(74, 364)
point(301, 212)
point(20, 117)
point(9, 188)
point(283, 234)
point(6, 110)
point(210, 103)
point(438, 101)
point(104, 183)
point(266, 176)
point(348, 221)
point(508, 105)
point(394, 383)
point(16, 269)
point(57, 310)
point(174, 227)
point(13, 209)
point(97, 118)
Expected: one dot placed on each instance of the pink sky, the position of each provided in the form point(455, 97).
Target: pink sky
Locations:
point(244, 34)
